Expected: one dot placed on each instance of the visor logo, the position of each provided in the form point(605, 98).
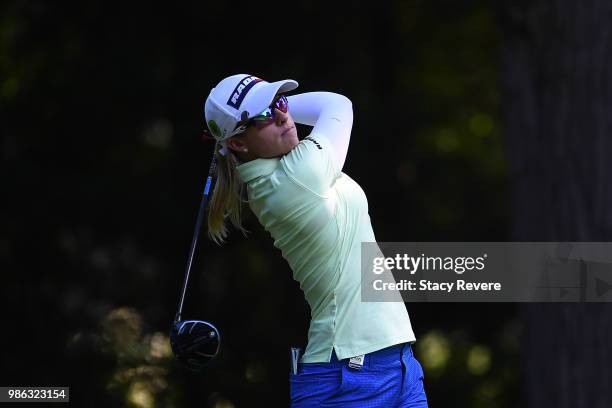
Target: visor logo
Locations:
point(241, 90)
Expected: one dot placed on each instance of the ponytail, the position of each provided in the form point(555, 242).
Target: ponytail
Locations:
point(226, 200)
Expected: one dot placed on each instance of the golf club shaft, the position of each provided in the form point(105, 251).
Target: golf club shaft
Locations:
point(196, 233)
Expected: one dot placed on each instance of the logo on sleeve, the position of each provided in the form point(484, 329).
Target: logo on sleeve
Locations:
point(241, 90)
point(315, 142)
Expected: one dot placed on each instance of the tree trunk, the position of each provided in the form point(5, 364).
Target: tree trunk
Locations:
point(556, 80)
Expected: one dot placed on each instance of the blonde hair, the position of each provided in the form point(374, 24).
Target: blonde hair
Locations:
point(226, 200)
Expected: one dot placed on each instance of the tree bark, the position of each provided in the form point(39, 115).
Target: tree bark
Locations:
point(556, 81)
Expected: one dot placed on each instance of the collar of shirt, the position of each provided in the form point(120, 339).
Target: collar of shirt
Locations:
point(256, 168)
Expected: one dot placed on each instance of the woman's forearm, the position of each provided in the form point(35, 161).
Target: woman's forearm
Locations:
point(331, 115)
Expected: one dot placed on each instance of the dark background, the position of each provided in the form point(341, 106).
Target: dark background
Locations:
point(101, 112)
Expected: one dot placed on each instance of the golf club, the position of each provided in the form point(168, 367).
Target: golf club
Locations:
point(195, 342)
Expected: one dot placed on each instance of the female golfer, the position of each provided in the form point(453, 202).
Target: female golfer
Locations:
point(358, 354)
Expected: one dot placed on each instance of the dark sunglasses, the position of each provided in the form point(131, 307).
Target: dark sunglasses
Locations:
point(269, 114)
point(267, 117)
point(261, 120)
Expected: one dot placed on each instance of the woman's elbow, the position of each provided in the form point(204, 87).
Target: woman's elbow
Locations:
point(346, 105)
point(345, 101)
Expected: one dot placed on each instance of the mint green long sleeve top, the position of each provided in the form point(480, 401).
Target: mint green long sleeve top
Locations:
point(318, 218)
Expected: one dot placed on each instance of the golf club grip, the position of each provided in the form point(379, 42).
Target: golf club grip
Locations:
point(196, 232)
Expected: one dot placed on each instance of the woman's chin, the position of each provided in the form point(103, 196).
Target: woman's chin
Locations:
point(294, 142)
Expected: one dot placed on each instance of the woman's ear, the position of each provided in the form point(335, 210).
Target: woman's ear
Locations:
point(237, 144)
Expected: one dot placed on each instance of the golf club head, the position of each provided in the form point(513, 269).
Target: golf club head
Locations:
point(194, 343)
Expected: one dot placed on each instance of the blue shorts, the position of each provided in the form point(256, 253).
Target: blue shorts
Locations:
point(389, 378)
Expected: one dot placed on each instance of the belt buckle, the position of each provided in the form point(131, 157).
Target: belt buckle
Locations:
point(356, 362)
